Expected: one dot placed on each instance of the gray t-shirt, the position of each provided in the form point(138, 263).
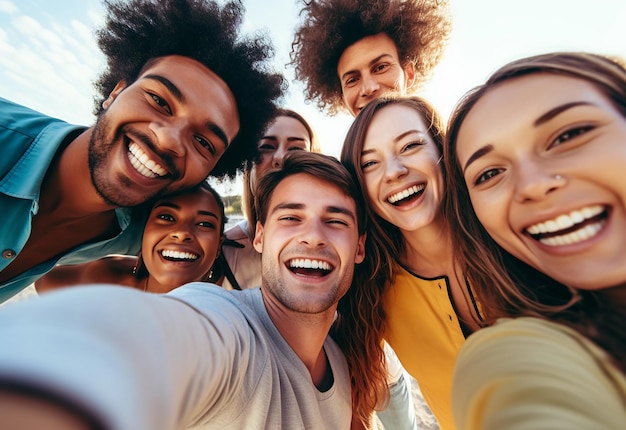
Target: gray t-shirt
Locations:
point(198, 357)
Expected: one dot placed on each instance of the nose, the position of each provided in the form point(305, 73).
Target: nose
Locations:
point(313, 234)
point(394, 169)
point(369, 85)
point(182, 234)
point(170, 136)
point(277, 158)
point(533, 183)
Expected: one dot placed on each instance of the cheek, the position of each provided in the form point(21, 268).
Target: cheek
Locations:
point(261, 167)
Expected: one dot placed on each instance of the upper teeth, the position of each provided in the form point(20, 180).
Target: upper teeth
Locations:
point(563, 222)
point(305, 263)
point(143, 164)
point(406, 193)
point(178, 255)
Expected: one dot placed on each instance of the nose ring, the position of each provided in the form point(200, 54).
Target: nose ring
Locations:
point(558, 177)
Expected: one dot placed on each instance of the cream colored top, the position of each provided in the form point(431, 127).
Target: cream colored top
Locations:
point(528, 373)
point(245, 263)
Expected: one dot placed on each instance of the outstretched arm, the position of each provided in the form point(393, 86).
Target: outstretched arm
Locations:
point(529, 374)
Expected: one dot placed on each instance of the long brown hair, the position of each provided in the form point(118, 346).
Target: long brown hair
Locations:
point(384, 243)
point(507, 287)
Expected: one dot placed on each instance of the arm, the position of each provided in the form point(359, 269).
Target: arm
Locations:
point(26, 412)
point(123, 358)
point(109, 269)
point(529, 374)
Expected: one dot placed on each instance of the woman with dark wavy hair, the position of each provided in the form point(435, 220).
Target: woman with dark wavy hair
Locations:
point(537, 199)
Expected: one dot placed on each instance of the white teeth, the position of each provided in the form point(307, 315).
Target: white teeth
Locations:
point(406, 193)
point(143, 164)
point(305, 263)
point(573, 237)
point(565, 221)
point(177, 255)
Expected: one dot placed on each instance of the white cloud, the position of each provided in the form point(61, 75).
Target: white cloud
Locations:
point(8, 7)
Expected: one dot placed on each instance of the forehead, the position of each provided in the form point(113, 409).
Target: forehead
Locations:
point(391, 122)
point(202, 89)
point(311, 192)
point(195, 200)
point(286, 125)
point(361, 53)
point(514, 106)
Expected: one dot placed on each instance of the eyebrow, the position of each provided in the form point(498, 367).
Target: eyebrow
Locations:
point(374, 61)
point(289, 139)
point(180, 97)
point(175, 206)
point(539, 121)
point(396, 139)
point(556, 111)
point(329, 209)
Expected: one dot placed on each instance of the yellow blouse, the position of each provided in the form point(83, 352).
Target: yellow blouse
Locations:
point(424, 331)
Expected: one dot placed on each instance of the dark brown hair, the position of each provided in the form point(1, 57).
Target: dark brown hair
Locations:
point(419, 29)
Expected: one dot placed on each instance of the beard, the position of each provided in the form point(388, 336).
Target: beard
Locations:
point(312, 302)
point(114, 188)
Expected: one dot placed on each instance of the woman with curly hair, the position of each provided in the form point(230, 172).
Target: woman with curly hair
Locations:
point(536, 159)
point(349, 52)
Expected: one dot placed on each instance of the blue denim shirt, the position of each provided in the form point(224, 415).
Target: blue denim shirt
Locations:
point(28, 142)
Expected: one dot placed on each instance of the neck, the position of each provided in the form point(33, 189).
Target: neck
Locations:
point(428, 251)
point(305, 334)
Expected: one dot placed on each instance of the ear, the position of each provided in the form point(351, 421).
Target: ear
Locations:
point(219, 246)
point(360, 249)
point(116, 91)
point(258, 238)
point(409, 74)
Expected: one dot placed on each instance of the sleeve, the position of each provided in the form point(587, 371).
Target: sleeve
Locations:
point(528, 374)
point(128, 359)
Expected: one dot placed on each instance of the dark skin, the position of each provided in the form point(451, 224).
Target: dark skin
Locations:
point(164, 115)
point(53, 231)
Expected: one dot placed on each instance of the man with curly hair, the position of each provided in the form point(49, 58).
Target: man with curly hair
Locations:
point(183, 95)
point(349, 52)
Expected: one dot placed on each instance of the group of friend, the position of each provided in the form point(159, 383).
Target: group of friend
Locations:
point(486, 254)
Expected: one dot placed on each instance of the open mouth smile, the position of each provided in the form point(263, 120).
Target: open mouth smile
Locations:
point(309, 267)
point(178, 256)
point(568, 229)
point(142, 164)
point(405, 195)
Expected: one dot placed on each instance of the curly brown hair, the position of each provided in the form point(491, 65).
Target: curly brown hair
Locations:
point(419, 28)
point(138, 31)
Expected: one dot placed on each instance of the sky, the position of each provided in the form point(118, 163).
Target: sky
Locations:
point(48, 57)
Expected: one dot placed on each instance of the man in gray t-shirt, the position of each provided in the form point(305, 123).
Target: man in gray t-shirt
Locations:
point(117, 358)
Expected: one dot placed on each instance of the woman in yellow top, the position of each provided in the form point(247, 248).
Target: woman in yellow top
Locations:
point(419, 300)
point(536, 162)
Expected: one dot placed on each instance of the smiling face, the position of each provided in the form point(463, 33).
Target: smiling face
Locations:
point(181, 239)
point(309, 245)
point(400, 164)
point(163, 133)
point(283, 135)
point(544, 158)
point(370, 68)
